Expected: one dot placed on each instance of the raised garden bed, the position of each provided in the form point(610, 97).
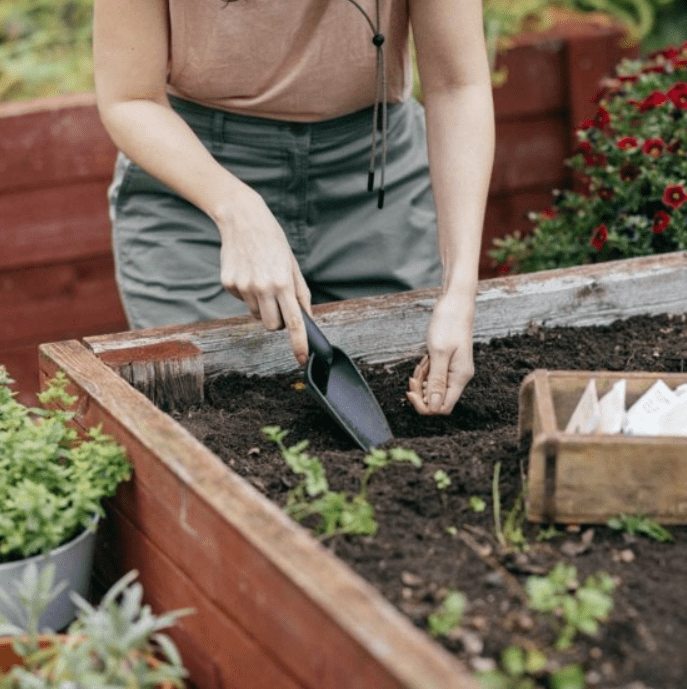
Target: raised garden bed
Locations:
point(274, 607)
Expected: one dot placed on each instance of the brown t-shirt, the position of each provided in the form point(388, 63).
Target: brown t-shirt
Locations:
point(300, 60)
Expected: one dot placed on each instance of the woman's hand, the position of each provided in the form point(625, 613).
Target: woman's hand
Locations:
point(440, 377)
point(258, 266)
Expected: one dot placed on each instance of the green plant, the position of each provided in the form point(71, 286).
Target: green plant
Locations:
point(476, 504)
point(509, 534)
point(51, 481)
point(339, 513)
point(575, 607)
point(45, 47)
point(449, 615)
point(634, 524)
point(108, 646)
point(631, 161)
point(442, 480)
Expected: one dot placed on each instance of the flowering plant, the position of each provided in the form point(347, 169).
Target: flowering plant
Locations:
point(630, 197)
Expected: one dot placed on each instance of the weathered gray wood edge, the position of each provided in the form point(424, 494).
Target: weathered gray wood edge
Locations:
point(392, 327)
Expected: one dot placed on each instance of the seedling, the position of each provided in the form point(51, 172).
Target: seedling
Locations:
point(549, 533)
point(574, 608)
point(634, 524)
point(476, 504)
point(338, 512)
point(509, 534)
point(519, 669)
point(442, 479)
point(449, 615)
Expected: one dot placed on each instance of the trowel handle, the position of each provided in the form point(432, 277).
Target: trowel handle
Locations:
point(317, 342)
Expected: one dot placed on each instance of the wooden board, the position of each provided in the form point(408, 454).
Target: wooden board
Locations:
point(393, 327)
point(274, 608)
point(589, 478)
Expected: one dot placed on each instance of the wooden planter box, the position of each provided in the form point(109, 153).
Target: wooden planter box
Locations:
point(586, 478)
point(274, 609)
point(56, 161)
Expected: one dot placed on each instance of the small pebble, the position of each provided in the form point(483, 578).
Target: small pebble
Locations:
point(410, 579)
point(472, 643)
point(479, 664)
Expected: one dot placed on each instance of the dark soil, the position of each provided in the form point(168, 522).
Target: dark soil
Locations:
point(414, 559)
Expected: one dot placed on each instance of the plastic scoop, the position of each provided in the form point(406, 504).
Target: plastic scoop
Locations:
point(338, 386)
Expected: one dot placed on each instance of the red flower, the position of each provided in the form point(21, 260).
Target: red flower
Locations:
point(602, 117)
point(548, 213)
point(653, 147)
point(661, 221)
point(599, 237)
point(629, 172)
point(678, 94)
point(652, 101)
point(674, 195)
point(586, 124)
point(627, 143)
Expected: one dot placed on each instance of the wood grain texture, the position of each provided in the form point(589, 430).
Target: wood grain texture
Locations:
point(393, 327)
point(314, 616)
point(599, 476)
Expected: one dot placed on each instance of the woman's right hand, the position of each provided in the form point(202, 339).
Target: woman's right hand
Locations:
point(258, 267)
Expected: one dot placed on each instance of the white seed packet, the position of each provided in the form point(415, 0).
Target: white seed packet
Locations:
point(612, 409)
point(586, 416)
point(642, 417)
point(681, 390)
point(673, 421)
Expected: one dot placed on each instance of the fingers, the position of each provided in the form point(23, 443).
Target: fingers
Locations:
point(437, 384)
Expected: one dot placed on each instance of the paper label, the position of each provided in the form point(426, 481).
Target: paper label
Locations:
point(643, 416)
point(585, 418)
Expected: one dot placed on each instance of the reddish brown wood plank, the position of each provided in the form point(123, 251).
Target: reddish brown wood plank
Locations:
point(61, 301)
point(22, 365)
point(529, 153)
point(54, 224)
point(206, 634)
point(50, 142)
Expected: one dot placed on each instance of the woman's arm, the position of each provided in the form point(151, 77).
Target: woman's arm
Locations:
point(131, 39)
point(456, 84)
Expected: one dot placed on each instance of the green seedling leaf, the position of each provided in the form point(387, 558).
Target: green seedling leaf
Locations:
point(636, 524)
point(442, 479)
point(568, 677)
point(449, 615)
point(476, 504)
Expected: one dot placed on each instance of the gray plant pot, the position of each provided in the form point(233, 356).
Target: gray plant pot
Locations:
point(73, 563)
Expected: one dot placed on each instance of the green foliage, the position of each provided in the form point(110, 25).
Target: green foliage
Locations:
point(339, 513)
point(106, 647)
point(51, 481)
point(45, 47)
point(442, 479)
point(509, 534)
point(449, 615)
point(632, 165)
point(476, 504)
point(634, 524)
point(579, 608)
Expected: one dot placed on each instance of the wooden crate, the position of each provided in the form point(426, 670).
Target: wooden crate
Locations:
point(588, 478)
point(274, 609)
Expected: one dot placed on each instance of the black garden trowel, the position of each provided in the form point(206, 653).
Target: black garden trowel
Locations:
point(338, 386)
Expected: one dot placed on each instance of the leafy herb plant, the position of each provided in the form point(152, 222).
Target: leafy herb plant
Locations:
point(51, 481)
point(339, 512)
point(108, 646)
point(574, 607)
point(448, 616)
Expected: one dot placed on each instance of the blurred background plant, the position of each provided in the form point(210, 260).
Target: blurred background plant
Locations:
point(631, 171)
point(45, 48)
point(45, 45)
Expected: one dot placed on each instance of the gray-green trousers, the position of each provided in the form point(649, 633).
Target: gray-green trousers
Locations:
point(314, 179)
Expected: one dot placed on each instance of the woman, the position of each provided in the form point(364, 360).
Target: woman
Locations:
point(245, 129)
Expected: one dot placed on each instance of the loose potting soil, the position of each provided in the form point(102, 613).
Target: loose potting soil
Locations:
point(431, 541)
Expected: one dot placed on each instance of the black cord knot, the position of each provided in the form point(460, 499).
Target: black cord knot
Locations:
point(378, 40)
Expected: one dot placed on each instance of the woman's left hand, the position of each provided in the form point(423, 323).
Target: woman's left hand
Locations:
point(440, 377)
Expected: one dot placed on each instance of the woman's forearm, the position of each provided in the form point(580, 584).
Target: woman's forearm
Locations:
point(460, 125)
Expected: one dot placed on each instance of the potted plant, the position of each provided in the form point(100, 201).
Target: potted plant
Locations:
point(52, 483)
point(631, 166)
point(117, 643)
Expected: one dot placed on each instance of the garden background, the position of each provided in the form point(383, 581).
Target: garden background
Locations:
point(56, 273)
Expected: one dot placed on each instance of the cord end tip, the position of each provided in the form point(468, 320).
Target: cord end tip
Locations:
point(370, 180)
point(380, 200)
